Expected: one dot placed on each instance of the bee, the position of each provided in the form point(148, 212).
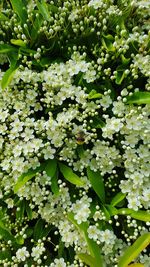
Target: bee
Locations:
point(80, 138)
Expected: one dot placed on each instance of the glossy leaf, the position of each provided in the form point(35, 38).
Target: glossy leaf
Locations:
point(51, 167)
point(5, 233)
point(87, 259)
point(133, 251)
point(43, 9)
point(107, 42)
point(28, 210)
point(141, 215)
point(97, 183)
point(120, 75)
point(70, 176)
point(94, 249)
point(117, 198)
point(25, 177)
point(51, 171)
point(4, 48)
point(18, 42)
point(20, 9)
point(20, 211)
point(8, 76)
point(40, 230)
point(93, 94)
point(139, 98)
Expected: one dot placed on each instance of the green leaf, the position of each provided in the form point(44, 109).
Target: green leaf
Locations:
point(120, 75)
point(5, 233)
point(43, 8)
point(3, 17)
point(97, 183)
point(28, 210)
point(136, 265)
point(25, 177)
point(141, 215)
point(18, 42)
point(117, 198)
point(112, 210)
point(87, 259)
point(94, 249)
point(70, 176)
point(20, 210)
point(35, 29)
point(8, 76)
point(40, 230)
point(97, 123)
point(20, 240)
point(51, 171)
point(51, 167)
point(20, 9)
point(139, 98)
point(93, 94)
point(5, 255)
point(125, 60)
point(107, 42)
point(4, 48)
point(133, 251)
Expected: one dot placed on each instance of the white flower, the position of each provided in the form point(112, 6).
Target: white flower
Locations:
point(22, 254)
point(58, 263)
point(93, 232)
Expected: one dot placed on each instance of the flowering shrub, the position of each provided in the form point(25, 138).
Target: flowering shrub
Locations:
point(74, 133)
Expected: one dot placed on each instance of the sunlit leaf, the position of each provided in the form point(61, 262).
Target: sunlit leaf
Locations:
point(93, 94)
point(18, 42)
point(141, 215)
point(25, 177)
point(3, 17)
point(87, 259)
point(139, 98)
point(70, 176)
point(117, 198)
point(97, 183)
point(8, 76)
point(133, 251)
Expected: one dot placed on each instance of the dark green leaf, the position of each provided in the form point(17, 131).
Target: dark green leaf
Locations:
point(20, 210)
point(35, 29)
point(139, 98)
point(51, 167)
point(97, 183)
point(133, 251)
point(28, 210)
point(70, 175)
point(38, 228)
point(5, 233)
point(5, 255)
point(4, 48)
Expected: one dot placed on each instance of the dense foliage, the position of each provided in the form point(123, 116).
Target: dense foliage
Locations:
point(74, 133)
